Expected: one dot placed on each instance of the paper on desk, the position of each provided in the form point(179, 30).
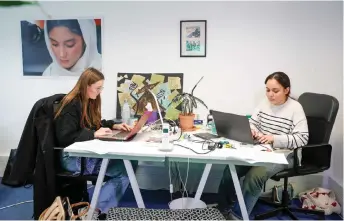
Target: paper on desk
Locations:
point(263, 147)
point(244, 154)
point(268, 157)
point(89, 146)
point(254, 154)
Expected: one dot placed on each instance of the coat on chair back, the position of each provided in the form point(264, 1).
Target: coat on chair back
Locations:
point(35, 154)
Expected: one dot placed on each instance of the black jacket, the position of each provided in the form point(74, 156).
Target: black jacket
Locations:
point(68, 127)
point(35, 154)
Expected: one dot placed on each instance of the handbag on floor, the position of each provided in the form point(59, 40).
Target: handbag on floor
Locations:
point(61, 209)
point(277, 192)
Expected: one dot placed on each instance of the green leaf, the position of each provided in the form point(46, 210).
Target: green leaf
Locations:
point(200, 101)
point(194, 103)
point(186, 107)
point(16, 3)
point(188, 103)
point(196, 85)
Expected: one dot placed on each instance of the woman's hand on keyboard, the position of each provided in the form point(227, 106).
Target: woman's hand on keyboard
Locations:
point(266, 139)
point(124, 127)
point(103, 131)
point(254, 134)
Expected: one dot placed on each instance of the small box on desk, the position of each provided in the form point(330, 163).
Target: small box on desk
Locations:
point(198, 122)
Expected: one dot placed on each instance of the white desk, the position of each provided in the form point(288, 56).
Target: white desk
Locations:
point(139, 149)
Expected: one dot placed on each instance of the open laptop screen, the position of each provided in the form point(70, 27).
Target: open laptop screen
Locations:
point(233, 126)
point(142, 121)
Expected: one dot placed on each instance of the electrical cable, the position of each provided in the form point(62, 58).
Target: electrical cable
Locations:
point(193, 150)
point(16, 204)
point(183, 183)
point(183, 187)
point(187, 174)
point(180, 136)
point(169, 174)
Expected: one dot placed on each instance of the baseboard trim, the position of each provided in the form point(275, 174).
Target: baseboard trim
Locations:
point(337, 188)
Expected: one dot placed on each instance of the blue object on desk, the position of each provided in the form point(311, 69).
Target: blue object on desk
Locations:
point(198, 122)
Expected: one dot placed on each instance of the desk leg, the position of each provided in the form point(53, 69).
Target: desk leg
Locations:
point(238, 192)
point(134, 184)
point(203, 180)
point(97, 188)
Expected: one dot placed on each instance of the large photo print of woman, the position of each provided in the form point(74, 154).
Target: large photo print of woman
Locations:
point(64, 47)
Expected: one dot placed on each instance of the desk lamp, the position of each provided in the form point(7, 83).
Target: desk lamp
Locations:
point(165, 133)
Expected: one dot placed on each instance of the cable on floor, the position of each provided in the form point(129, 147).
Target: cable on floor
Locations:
point(16, 204)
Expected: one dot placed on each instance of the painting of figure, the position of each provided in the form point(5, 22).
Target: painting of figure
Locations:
point(63, 47)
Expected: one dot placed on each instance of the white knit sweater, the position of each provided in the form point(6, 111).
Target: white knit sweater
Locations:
point(286, 122)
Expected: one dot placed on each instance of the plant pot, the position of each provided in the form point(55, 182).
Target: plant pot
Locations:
point(186, 122)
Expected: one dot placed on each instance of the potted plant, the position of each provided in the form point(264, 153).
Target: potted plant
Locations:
point(188, 102)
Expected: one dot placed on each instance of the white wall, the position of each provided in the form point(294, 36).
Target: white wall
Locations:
point(246, 42)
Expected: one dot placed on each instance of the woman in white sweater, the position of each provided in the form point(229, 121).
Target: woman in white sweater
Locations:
point(280, 121)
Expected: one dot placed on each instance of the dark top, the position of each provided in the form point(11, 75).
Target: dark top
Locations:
point(68, 127)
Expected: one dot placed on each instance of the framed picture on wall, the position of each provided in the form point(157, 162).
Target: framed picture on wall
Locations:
point(193, 38)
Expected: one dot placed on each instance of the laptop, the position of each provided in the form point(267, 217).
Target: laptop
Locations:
point(234, 127)
point(127, 135)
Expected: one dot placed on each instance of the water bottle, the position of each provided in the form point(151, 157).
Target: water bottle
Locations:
point(126, 112)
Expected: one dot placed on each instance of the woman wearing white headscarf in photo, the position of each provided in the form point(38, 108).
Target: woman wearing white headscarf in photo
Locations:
point(72, 45)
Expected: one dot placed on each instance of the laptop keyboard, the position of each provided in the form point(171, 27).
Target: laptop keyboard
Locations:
point(121, 134)
point(206, 136)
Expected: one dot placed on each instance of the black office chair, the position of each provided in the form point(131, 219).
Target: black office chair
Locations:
point(321, 111)
point(68, 183)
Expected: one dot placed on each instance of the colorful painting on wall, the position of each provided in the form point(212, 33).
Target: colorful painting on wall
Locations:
point(134, 87)
point(63, 47)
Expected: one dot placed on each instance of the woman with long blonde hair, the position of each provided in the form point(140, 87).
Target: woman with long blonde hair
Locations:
point(77, 119)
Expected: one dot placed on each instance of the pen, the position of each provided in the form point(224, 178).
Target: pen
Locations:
point(267, 149)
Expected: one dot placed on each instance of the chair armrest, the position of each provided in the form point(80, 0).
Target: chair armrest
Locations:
point(314, 157)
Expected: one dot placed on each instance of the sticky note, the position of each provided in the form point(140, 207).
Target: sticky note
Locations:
point(124, 87)
point(138, 79)
point(172, 113)
point(123, 96)
point(172, 95)
point(174, 83)
point(157, 78)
